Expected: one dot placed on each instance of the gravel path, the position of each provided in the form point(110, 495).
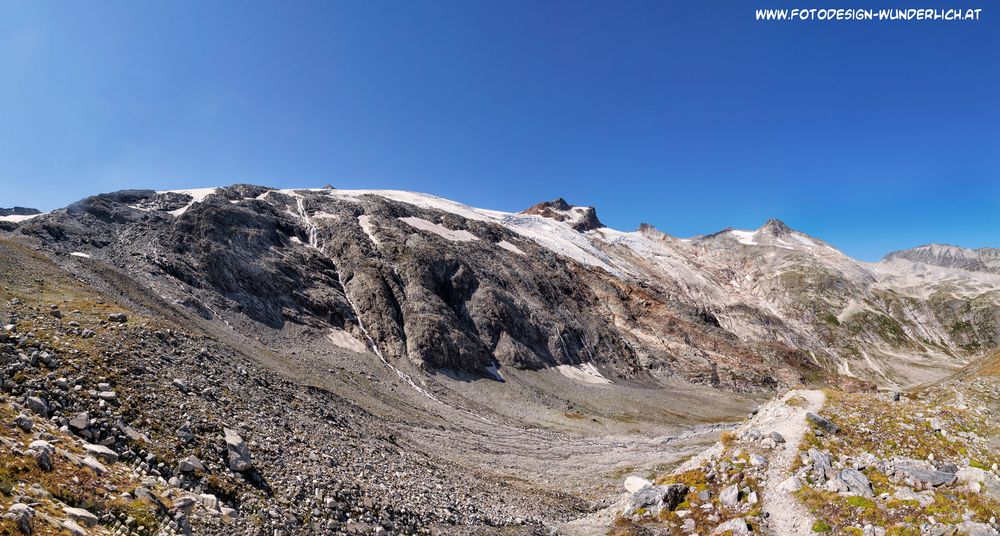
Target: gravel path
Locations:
point(787, 517)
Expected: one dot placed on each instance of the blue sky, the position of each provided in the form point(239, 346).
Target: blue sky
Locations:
point(688, 115)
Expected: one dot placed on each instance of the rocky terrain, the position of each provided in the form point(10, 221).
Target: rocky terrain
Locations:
point(246, 360)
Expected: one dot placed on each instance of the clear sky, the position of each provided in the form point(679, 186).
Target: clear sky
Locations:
point(689, 115)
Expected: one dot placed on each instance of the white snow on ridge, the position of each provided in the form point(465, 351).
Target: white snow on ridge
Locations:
point(743, 237)
point(19, 218)
point(557, 237)
point(79, 254)
point(440, 230)
point(198, 195)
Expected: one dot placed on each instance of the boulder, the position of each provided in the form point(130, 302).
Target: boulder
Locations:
point(790, 485)
point(736, 527)
point(80, 421)
point(239, 453)
point(730, 496)
point(24, 422)
point(120, 318)
point(916, 473)
point(823, 423)
point(81, 516)
point(190, 464)
point(21, 514)
point(777, 438)
point(653, 499)
point(39, 406)
point(857, 482)
point(101, 452)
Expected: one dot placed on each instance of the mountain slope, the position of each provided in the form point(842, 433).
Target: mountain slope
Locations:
point(434, 284)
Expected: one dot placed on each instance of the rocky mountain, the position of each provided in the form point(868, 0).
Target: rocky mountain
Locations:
point(976, 260)
point(438, 285)
point(354, 361)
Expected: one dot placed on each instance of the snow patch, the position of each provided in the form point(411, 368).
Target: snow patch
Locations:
point(197, 196)
point(743, 237)
point(510, 247)
point(438, 229)
point(365, 221)
point(343, 339)
point(79, 254)
point(586, 373)
point(15, 218)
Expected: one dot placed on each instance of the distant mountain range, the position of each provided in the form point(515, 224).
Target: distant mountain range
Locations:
point(433, 285)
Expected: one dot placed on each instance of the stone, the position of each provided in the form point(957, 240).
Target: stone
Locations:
point(823, 423)
point(92, 463)
point(653, 499)
point(239, 453)
point(39, 406)
point(757, 460)
point(730, 496)
point(936, 424)
point(73, 528)
point(209, 501)
point(107, 396)
point(184, 433)
point(24, 422)
point(872, 530)
point(101, 452)
point(777, 438)
point(822, 465)
point(736, 527)
point(21, 514)
point(922, 475)
point(790, 485)
point(971, 474)
point(80, 421)
point(120, 318)
point(190, 464)
point(857, 482)
point(636, 483)
point(180, 385)
point(81, 516)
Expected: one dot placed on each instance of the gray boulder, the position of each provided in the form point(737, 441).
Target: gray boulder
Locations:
point(238, 452)
point(39, 406)
point(21, 514)
point(922, 475)
point(730, 497)
point(857, 482)
point(822, 423)
point(656, 498)
point(736, 527)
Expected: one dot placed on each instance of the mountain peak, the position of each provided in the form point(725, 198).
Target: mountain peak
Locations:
point(579, 218)
point(775, 227)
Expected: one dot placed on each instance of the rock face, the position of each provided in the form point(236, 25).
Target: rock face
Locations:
point(578, 218)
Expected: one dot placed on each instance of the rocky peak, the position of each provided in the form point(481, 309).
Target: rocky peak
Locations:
point(19, 211)
point(579, 218)
point(775, 227)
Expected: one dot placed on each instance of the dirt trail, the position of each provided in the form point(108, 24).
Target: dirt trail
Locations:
point(786, 515)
